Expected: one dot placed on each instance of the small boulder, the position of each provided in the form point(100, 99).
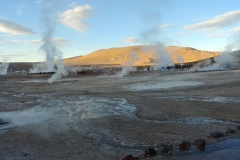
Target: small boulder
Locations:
point(167, 150)
point(128, 157)
point(238, 127)
point(150, 152)
point(184, 145)
point(200, 142)
point(230, 131)
point(216, 134)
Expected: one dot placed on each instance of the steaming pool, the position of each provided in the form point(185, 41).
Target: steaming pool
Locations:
point(68, 112)
point(160, 85)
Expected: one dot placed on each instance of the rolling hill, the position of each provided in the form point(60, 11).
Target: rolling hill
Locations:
point(141, 55)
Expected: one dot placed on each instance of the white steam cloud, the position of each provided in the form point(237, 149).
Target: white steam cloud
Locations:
point(59, 72)
point(49, 48)
point(4, 66)
point(128, 66)
point(38, 67)
point(180, 59)
point(227, 60)
point(151, 37)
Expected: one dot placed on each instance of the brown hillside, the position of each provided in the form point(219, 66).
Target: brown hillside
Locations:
point(146, 55)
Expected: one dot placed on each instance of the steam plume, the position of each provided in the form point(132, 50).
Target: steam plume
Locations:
point(59, 72)
point(4, 67)
point(49, 48)
point(38, 67)
point(128, 66)
point(151, 35)
point(227, 60)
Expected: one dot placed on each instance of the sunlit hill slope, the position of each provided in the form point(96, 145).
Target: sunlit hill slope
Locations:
point(141, 55)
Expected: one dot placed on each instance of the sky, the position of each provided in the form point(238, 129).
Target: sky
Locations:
point(82, 26)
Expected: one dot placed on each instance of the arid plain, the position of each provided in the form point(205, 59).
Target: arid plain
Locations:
point(100, 116)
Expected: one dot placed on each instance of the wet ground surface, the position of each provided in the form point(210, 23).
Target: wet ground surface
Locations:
point(206, 99)
point(104, 117)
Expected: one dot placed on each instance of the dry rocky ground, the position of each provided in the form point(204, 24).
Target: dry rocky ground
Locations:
point(96, 117)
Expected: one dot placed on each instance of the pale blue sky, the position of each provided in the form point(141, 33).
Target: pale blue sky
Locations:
point(83, 26)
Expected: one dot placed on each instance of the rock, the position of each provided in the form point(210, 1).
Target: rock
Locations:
point(184, 145)
point(237, 127)
point(216, 134)
point(150, 152)
point(200, 142)
point(130, 157)
point(167, 150)
point(230, 131)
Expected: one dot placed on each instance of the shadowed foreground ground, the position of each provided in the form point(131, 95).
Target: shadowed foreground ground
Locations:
point(102, 117)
